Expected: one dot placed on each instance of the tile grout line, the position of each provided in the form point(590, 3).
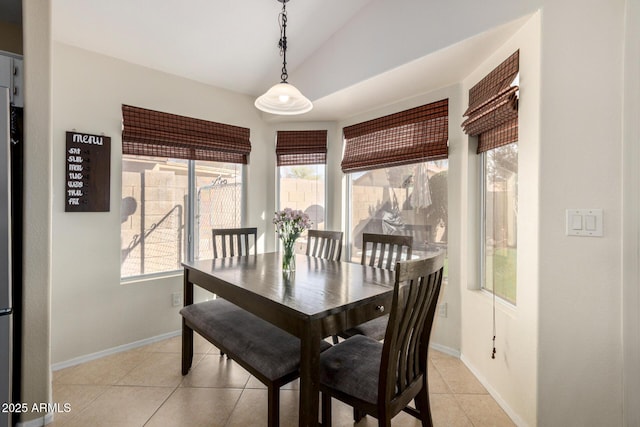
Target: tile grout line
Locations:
point(84, 408)
point(244, 388)
point(162, 404)
point(226, 423)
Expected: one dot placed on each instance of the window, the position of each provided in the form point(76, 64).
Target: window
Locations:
point(492, 116)
point(499, 198)
point(397, 167)
point(409, 199)
point(157, 230)
point(301, 158)
point(302, 187)
point(181, 177)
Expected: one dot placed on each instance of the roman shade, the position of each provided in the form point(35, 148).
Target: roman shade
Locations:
point(411, 136)
point(153, 133)
point(301, 147)
point(492, 115)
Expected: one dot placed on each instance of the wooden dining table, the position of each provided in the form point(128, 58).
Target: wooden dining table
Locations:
point(319, 299)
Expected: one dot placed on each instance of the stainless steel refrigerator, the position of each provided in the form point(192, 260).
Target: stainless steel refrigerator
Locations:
point(11, 167)
point(6, 310)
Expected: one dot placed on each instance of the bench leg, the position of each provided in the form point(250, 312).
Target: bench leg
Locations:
point(187, 348)
point(326, 410)
point(274, 405)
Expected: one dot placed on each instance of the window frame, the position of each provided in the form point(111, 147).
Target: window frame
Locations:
point(188, 253)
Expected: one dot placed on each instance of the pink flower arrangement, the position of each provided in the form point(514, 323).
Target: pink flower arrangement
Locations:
point(290, 224)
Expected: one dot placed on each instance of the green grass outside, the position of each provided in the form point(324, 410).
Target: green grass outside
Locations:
point(501, 271)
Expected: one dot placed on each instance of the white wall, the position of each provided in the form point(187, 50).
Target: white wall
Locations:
point(36, 373)
point(511, 377)
point(91, 310)
point(580, 346)
point(631, 216)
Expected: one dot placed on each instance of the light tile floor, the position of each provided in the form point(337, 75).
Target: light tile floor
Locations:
point(144, 387)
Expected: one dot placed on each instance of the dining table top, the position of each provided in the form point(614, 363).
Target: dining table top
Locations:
point(316, 288)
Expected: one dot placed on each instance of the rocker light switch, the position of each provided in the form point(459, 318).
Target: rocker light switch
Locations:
point(576, 222)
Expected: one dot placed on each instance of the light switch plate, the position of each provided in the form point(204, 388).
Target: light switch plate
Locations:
point(584, 222)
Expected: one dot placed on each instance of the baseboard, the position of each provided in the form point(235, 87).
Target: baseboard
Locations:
point(110, 351)
point(37, 422)
point(496, 396)
point(446, 350)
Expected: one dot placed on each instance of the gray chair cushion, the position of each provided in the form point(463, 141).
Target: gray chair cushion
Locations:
point(353, 367)
point(268, 349)
point(375, 329)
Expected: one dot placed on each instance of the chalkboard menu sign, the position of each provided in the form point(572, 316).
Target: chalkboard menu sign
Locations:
point(87, 183)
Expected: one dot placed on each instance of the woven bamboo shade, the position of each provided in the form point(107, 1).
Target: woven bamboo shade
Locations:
point(153, 133)
point(410, 136)
point(303, 147)
point(493, 107)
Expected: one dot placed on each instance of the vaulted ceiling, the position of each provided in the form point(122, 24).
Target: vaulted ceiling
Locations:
point(346, 56)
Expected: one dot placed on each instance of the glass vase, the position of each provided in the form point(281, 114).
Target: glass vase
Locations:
point(288, 255)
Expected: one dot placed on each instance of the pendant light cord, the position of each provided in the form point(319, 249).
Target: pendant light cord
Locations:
point(282, 44)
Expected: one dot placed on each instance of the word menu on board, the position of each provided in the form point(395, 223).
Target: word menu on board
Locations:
point(87, 173)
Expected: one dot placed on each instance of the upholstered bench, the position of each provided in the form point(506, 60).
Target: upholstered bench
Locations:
point(266, 351)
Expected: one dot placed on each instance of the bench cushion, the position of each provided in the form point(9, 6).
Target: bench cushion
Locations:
point(268, 349)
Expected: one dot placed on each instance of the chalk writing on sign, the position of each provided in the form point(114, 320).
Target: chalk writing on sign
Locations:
point(88, 166)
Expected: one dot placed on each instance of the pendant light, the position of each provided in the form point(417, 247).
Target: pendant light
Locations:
point(283, 98)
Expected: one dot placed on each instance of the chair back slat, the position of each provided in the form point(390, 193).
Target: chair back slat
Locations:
point(230, 242)
point(404, 355)
point(385, 250)
point(324, 244)
point(408, 324)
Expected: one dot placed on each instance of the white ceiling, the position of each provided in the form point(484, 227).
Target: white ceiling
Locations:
point(233, 45)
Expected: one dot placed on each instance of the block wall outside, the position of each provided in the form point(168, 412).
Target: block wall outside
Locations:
point(165, 194)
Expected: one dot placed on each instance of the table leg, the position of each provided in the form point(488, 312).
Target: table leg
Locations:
point(309, 375)
point(187, 348)
point(187, 332)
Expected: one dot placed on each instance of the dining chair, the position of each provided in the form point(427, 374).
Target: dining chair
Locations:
point(266, 351)
point(381, 378)
point(324, 244)
point(229, 242)
point(382, 251)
